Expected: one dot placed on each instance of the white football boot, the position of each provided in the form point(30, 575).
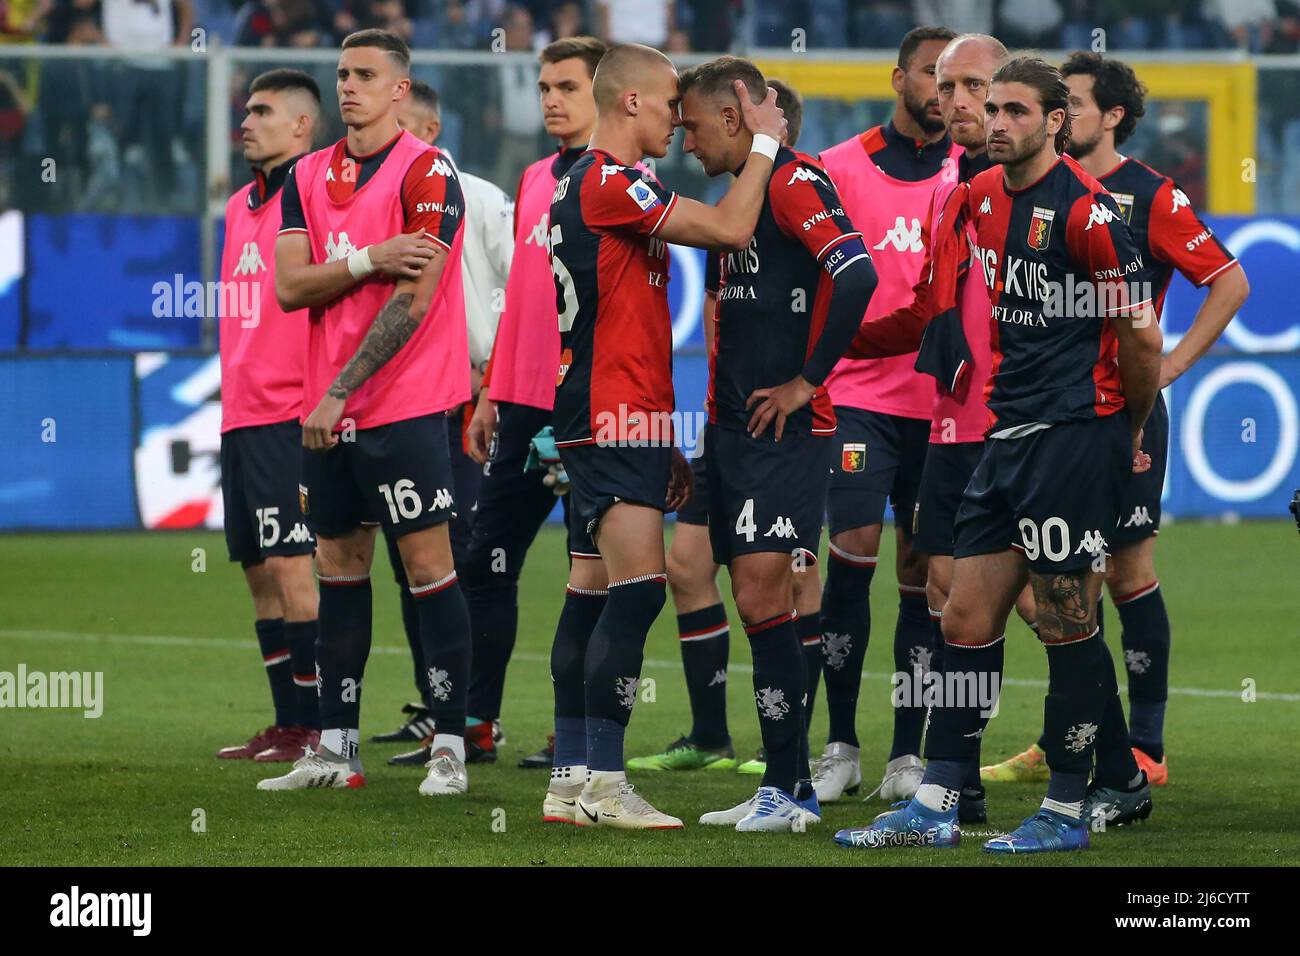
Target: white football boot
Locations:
point(729, 818)
point(446, 776)
point(320, 769)
point(775, 811)
point(836, 772)
point(623, 809)
point(902, 779)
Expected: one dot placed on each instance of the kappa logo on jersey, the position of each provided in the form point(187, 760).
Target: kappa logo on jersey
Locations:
point(853, 456)
point(540, 232)
point(338, 249)
point(642, 195)
point(772, 703)
point(1098, 215)
point(1080, 737)
point(986, 207)
point(802, 174)
point(1180, 200)
point(440, 167)
point(606, 170)
point(1040, 228)
point(441, 500)
point(1092, 543)
point(1125, 203)
point(250, 260)
point(1140, 516)
point(782, 528)
point(902, 237)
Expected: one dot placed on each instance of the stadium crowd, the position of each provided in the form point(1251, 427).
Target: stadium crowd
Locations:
point(676, 26)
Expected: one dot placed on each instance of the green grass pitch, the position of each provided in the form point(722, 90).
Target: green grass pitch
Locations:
point(182, 677)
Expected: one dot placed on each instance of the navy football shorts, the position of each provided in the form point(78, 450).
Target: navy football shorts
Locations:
point(766, 495)
point(875, 455)
point(260, 465)
point(397, 475)
point(601, 476)
point(948, 469)
point(1139, 508)
point(1054, 495)
point(696, 510)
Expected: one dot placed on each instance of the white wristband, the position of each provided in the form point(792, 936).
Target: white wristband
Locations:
point(765, 145)
point(359, 263)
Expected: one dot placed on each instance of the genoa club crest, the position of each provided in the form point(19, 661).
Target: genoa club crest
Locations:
point(1040, 228)
point(853, 457)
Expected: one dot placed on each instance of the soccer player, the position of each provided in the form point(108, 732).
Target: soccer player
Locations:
point(886, 177)
point(485, 263)
point(262, 359)
point(1076, 359)
point(702, 627)
point(958, 354)
point(385, 360)
point(789, 303)
point(609, 229)
point(1106, 102)
point(518, 391)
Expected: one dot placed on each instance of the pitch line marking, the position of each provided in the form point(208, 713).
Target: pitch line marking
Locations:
point(169, 640)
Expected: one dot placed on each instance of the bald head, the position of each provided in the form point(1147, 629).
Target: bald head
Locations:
point(624, 68)
point(962, 76)
point(969, 45)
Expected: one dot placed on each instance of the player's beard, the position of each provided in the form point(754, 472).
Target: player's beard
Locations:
point(1080, 148)
point(919, 110)
point(1028, 147)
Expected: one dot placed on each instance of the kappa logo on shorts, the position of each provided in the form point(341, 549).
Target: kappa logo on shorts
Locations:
point(299, 534)
point(441, 500)
point(302, 500)
point(1140, 516)
point(782, 528)
point(853, 456)
point(1092, 543)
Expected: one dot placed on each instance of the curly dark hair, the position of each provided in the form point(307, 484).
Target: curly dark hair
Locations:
point(1113, 84)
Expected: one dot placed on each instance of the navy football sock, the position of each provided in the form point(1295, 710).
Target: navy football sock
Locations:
point(846, 630)
point(301, 638)
point(1073, 708)
point(1115, 764)
point(913, 637)
point(778, 695)
point(444, 637)
point(279, 669)
point(612, 672)
point(706, 644)
point(342, 648)
point(1146, 640)
point(494, 622)
point(936, 640)
point(410, 619)
point(956, 727)
point(809, 630)
point(582, 609)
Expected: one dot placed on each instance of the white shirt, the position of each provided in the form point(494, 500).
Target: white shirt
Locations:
point(137, 25)
point(486, 251)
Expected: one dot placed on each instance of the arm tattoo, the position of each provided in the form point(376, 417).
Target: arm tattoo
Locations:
point(1065, 612)
point(388, 333)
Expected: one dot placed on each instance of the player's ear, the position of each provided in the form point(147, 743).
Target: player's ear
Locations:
point(732, 119)
point(631, 102)
point(897, 78)
point(402, 88)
